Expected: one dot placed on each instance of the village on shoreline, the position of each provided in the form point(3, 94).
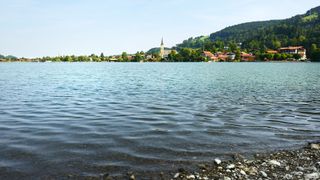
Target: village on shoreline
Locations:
point(162, 54)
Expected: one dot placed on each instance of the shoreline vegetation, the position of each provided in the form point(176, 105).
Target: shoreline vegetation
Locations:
point(234, 53)
point(273, 61)
point(183, 55)
point(303, 163)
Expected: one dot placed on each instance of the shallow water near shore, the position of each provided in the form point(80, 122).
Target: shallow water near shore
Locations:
point(58, 119)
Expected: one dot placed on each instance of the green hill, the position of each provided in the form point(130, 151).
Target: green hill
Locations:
point(299, 30)
point(9, 57)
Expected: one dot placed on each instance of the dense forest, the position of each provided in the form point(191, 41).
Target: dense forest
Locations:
point(257, 37)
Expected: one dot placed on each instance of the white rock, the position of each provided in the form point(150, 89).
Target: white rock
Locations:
point(263, 174)
point(176, 175)
point(252, 171)
point(274, 163)
point(231, 166)
point(243, 173)
point(217, 161)
point(315, 146)
point(312, 176)
point(288, 176)
point(132, 177)
point(300, 168)
point(226, 178)
point(249, 161)
point(191, 177)
point(264, 164)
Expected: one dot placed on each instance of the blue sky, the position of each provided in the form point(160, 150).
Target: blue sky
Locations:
point(35, 28)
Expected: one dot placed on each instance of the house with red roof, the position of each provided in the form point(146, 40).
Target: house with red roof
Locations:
point(210, 56)
point(247, 57)
point(295, 50)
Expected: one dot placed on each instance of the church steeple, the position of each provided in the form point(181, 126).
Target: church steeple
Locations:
point(162, 49)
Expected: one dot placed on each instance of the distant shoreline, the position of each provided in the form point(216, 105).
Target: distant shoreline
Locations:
point(164, 62)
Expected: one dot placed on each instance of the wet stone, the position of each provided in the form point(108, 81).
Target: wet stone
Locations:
point(243, 173)
point(132, 177)
point(274, 163)
point(176, 175)
point(191, 177)
point(238, 157)
point(231, 166)
point(312, 176)
point(315, 146)
point(288, 176)
point(217, 161)
point(263, 174)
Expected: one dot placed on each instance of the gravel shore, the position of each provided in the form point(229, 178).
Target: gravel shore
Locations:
point(289, 164)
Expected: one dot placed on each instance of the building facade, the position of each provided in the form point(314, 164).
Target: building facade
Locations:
point(295, 50)
point(164, 53)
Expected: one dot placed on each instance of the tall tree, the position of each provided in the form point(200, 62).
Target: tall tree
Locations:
point(125, 56)
point(102, 58)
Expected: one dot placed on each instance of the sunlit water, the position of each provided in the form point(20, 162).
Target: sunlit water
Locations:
point(58, 119)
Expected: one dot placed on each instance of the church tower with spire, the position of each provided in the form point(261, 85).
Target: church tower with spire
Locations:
point(162, 49)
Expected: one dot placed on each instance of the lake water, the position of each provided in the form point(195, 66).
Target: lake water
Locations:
point(85, 119)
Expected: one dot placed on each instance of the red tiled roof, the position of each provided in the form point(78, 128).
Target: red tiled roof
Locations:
point(208, 53)
point(243, 54)
point(214, 58)
point(292, 48)
point(223, 57)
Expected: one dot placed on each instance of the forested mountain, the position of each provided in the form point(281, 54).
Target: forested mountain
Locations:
point(300, 30)
point(10, 57)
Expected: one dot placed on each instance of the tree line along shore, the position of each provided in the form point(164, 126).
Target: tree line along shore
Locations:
point(232, 53)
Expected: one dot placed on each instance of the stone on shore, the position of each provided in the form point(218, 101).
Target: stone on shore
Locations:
point(288, 176)
point(231, 166)
point(263, 174)
point(274, 163)
point(132, 177)
point(312, 176)
point(191, 176)
point(176, 175)
point(217, 161)
point(243, 172)
point(315, 146)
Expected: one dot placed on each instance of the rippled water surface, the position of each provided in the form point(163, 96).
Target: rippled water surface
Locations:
point(58, 119)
